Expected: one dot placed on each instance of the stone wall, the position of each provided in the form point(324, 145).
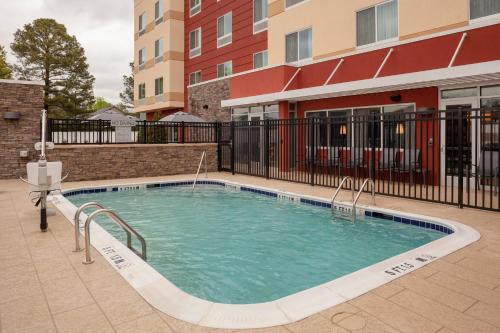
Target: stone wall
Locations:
point(210, 95)
point(26, 98)
point(92, 162)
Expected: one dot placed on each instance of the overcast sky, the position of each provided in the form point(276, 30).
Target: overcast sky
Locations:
point(103, 27)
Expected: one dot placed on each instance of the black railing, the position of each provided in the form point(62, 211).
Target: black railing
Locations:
point(447, 156)
point(77, 131)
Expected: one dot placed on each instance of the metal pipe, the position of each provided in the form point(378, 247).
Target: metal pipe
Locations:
point(203, 156)
point(369, 180)
point(120, 222)
point(43, 138)
point(340, 187)
point(77, 222)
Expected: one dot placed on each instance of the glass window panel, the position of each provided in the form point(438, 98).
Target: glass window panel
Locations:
point(158, 9)
point(490, 102)
point(256, 109)
point(271, 115)
point(365, 26)
point(367, 132)
point(240, 111)
point(481, 8)
point(224, 25)
point(260, 59)
point(399, 126)
point(159, 86)
point(259, 10)
point(490, 91)
point(292, 47)
point(339, 128)
point(272, 108)
point(305, 44)
point(387, 20)
point(158, 47)
point(289, 3)
point(458, 93)
point(490, 124)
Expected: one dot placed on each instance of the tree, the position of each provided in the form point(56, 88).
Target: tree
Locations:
point(5, 70)
point(100, 103)
point(46, 52)
point(127, 95)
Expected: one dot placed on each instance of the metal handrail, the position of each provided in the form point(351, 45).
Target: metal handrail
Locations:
point(340, 187)
point(368, 180)
point(120, 222)
point(77, 222)
point(203, 157)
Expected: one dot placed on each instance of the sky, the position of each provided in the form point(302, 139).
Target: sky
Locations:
point(103, 27)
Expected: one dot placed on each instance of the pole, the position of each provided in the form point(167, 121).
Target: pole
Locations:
point(42, 176)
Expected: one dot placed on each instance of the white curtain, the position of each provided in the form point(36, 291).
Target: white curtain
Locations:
point(259, 10)
point(365, 26)
point(305, 44)
point(292, 47)
point(387, 20)
point(480, 8)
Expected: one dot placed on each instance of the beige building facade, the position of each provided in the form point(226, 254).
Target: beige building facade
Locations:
point(159, 55)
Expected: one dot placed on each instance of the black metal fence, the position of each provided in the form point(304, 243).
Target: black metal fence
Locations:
point(449, 156)
point(78, 131)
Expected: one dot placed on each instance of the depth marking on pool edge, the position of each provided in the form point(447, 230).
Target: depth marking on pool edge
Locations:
point(115, 257)
point(409, 265)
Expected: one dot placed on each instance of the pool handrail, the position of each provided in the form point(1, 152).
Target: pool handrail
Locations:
point(340, 187)
point(203, 157)
point(372, 183)
point(118, 220)
point(77, 222)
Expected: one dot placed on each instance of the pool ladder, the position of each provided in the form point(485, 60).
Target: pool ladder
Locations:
point(203, 157)
point(115, 218)
point(358, 195)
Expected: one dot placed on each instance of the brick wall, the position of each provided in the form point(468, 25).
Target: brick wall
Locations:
point(92, 162)
point(16, 135)
point(210, 94)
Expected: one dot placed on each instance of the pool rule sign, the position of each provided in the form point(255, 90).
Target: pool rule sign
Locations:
point(123, 130)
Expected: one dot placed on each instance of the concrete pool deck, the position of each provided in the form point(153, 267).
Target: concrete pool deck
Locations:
point(45, 288)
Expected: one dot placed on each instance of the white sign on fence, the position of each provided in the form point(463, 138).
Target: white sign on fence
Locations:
point(123, 129)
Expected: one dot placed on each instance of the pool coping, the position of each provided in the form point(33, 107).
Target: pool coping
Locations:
point(166, 297)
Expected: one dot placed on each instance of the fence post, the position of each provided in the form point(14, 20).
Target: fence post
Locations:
point(183, 133)
point(100, 131)
point(374, 148)
point(266, 147)
point(460, 158)
point(232, 147)
point(144, 132)
point(312, 151)
point(218, 138)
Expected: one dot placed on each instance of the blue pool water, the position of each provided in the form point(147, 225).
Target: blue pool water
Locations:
point(237, 247)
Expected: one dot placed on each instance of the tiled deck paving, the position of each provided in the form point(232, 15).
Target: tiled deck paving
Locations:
point(45, 288)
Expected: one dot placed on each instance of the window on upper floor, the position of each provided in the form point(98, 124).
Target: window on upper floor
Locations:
point(158, 12)
point(482, 8)
point(298, 45)
point(142, 24)
point(142, 58)
point(259, 15)
point(194, 7)
point(377, 23)
point(158, 50)
point(225, 69)
point(290, 3)
point(195, 43)
point(225, 29)
point(142, 91)
point(159, 86)
point(260, 59)
point(195, 78)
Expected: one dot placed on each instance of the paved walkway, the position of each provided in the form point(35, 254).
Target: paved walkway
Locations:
point(45, 288)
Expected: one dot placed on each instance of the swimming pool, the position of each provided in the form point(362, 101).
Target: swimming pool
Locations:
point(239, 246)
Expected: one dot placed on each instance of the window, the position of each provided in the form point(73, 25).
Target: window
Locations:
point(289, 3)
point(194, 78)
point(142, 58)
point(399, 126)
point(260, 59)
point(299, 45)
point(194, 7)
point(377, 23)
point(159, 50)
point(490, 119)
point(482, 8)
point(158, 12)
point(259, 15)
point(225, 69)
point(159, 86)
point(142, 24)
point(225, 29)
point(142, 91)
point(195, 43)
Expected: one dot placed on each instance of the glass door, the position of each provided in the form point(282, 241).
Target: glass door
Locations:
point(460, 118)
